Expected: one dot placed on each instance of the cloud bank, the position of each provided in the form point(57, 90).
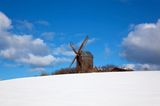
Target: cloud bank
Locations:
point(24, 48)
point(142, 44)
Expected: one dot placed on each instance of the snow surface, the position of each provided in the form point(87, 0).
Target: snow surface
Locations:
point(92, 89)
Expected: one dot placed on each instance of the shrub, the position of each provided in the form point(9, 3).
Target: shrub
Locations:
point(65, 71)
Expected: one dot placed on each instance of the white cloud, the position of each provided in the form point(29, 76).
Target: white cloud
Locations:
point(48, 35)
point(38, 69)
point(5, 22)
point(25, 49)
point(24, 25)
point(141, 67)
point(38, 60)
point(92, 40)
point(15, 46)
point(129, 66)
point(142, 44)
point(8, 53)
point(29, 26)
point(63, 50)
point(62, 60)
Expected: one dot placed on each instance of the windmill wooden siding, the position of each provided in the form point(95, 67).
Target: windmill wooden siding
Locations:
point(87, 61)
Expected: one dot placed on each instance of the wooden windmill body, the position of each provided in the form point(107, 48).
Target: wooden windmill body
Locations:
point(84, 58)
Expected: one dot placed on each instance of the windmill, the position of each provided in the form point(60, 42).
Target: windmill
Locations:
point(84, 59)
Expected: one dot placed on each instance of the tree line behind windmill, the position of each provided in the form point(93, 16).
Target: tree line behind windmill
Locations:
point(84, 63)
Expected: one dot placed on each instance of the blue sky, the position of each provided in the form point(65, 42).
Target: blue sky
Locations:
point(52, 24)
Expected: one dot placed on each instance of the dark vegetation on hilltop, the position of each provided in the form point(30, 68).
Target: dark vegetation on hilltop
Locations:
point(107, 68)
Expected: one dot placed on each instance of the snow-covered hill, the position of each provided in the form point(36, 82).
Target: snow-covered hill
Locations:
point(93, 89)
